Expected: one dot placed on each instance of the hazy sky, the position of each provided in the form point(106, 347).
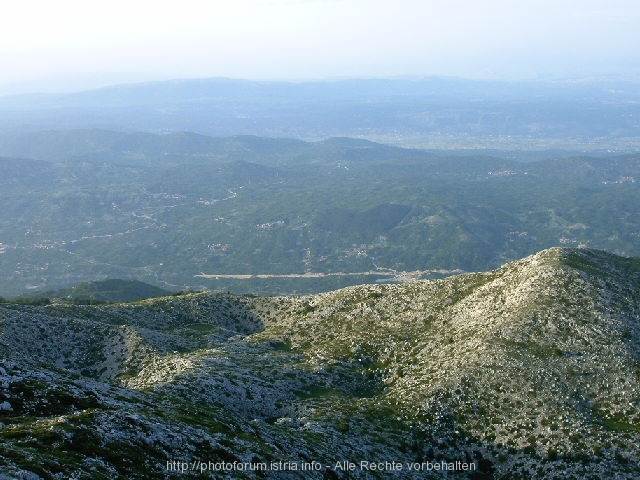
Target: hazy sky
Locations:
point(66, 45)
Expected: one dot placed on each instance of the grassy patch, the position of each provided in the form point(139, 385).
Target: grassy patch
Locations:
point(618, 425)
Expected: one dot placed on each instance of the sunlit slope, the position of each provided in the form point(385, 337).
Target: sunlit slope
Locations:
point(530, 371)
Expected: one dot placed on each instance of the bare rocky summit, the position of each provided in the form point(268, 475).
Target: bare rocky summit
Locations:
point(528, 371)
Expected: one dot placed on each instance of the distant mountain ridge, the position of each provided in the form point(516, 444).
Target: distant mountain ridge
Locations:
point(56, 145)
point(408, 110)
point(527, 371)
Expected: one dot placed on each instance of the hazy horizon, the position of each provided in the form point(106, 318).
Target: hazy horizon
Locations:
point(72, 45)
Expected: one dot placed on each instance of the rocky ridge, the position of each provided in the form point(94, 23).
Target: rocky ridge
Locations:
point(528, 371)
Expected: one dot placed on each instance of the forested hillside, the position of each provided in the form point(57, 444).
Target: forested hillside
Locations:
point(183, 211)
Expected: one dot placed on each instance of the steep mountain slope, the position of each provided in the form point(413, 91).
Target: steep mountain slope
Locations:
point(528, 371)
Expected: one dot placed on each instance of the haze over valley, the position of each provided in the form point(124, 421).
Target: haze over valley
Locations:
point(273, 215)
point(303, 239)
point(413, 364)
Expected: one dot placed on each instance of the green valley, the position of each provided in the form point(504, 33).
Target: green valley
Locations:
point(184, 211)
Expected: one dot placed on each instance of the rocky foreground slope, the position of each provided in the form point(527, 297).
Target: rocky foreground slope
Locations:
point(528, 371)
